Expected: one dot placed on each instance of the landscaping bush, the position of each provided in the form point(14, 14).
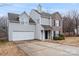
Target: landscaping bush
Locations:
point(61, 37)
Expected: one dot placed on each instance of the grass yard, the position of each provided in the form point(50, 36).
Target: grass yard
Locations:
point(9, 49)
point(74, 41)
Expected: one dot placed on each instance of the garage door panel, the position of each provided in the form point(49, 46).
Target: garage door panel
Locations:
point(23, 36)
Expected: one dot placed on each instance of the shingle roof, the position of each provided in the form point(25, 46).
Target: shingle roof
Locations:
point(13, 17)
point(31, 21)
point(56, 15)
point(37, 11)
point(47, 27)
point(43, 14)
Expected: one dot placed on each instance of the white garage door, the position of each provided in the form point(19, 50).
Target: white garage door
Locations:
point(22, 36)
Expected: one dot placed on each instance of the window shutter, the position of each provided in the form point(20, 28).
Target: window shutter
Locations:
point(54, 22)
point(59, 23)
point(54, 33)
point(59, 32)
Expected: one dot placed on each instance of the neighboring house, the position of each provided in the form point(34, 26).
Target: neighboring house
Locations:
point(76, 31)
point(37, 25)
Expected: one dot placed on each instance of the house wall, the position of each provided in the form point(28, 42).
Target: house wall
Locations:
point(45, 21)
point(50, 21)
point(35, 16)
point(57, 28)
point(19, 27)
point(38, 31)
point(24, 18)
point(40, 21)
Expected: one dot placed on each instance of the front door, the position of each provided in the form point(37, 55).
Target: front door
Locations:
point(46, 34)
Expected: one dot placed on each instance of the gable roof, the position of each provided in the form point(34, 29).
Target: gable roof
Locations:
point(24, 13)
point(31, 21)
point(56, 15)
point(12, 17)
point(15, 18)
point(37, 11)
point(43, 14)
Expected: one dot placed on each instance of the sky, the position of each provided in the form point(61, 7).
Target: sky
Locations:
point(48, 7)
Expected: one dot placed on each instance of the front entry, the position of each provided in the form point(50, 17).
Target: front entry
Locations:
point(46, 34)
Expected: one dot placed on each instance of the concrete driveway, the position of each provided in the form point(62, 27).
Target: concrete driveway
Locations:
point(40, 48)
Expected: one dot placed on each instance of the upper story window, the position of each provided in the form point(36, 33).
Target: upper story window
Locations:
point(56, 23)
point(22, 22)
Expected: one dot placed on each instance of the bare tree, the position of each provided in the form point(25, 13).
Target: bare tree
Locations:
point(3, 23)
point(68, 25)
point(75, 16)
point(70, 21)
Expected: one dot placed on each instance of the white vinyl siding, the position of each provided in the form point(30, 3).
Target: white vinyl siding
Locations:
point(22, 36)
point(45, 21)
point(16, 27)
point(35, 16)
point(24, 19)
point(22, 22)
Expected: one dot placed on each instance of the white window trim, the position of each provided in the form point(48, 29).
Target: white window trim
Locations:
point(57, 33)
point(57, 23)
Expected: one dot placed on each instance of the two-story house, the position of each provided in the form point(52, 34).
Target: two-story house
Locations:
point(37, 25)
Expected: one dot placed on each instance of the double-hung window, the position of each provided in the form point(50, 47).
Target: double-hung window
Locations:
point(56, 33)
point(57, 23)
